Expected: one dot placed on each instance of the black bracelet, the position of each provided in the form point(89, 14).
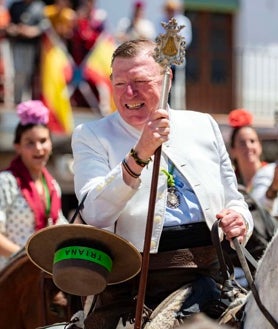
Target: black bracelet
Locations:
point(129, 171)
point(140, 162)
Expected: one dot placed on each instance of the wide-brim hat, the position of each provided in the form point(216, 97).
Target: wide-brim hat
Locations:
point(83, 259)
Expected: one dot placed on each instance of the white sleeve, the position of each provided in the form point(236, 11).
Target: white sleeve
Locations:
point(260, 184)
point(105, 186)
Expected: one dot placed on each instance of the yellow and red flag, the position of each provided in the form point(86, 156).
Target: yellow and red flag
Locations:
point(56, 72)
point(97, 64)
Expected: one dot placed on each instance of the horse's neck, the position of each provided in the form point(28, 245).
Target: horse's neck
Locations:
point(266, 283)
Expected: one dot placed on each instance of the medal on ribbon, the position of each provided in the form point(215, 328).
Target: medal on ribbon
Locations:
point(173, 197)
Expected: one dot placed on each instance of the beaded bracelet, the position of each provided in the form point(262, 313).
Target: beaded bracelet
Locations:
point(140, 162)
point(129, 171)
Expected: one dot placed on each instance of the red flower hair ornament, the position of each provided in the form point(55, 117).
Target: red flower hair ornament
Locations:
point(239, 118)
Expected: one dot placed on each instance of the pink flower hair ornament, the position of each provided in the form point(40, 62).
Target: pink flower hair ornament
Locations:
point(239, 118)
point(33, 111)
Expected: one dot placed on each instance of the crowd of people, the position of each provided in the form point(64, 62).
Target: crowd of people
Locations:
point(75, 30)
point(76, 25)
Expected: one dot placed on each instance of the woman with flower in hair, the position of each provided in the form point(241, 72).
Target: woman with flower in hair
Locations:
point(246, 153)
point(259, 178)
point(245, 147)
point(30, 198)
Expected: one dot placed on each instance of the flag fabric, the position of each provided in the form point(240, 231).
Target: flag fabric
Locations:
point(56, 72)
point(97, 65)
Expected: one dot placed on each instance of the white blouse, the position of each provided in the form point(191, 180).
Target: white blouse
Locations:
point(17, 220)
point(260, 183)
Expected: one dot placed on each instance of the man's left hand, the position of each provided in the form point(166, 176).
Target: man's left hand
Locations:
point(233, 224)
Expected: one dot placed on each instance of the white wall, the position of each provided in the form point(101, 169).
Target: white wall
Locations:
point(256, 37)
point(257, 23)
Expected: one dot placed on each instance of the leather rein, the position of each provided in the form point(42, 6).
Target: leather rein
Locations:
point(242, 254)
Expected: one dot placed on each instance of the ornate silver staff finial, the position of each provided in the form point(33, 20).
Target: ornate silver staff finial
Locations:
point(170, 46)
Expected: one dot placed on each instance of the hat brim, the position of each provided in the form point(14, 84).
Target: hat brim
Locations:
point(41, 247)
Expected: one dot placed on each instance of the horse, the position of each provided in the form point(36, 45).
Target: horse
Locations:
point(265, 282)
point(29, 298)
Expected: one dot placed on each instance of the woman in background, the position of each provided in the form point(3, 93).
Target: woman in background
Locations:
point(245, 147)
point(259, 178)
point(246, 154)
point(30, 198)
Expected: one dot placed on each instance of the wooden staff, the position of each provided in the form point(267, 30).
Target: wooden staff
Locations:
point(170, 50)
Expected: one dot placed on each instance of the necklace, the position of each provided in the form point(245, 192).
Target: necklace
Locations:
point(47, 197)
point(173, 198)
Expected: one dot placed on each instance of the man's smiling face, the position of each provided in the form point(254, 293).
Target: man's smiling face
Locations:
point(137, 84)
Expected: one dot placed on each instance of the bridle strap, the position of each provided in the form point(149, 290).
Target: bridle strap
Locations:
point(250, 258)
point(241, 253)
point(217, 244)
point(78, 209)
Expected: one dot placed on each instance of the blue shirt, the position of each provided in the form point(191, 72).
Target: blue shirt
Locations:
point(189, 211)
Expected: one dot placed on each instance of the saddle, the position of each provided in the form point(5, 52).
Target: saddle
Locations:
point(226, 307)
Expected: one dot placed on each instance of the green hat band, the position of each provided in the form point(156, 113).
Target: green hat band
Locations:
point(84, 253)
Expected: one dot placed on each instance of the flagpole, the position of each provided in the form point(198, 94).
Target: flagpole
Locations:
point(170, 50)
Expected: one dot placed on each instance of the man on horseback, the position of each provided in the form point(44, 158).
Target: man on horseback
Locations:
point(113, 163)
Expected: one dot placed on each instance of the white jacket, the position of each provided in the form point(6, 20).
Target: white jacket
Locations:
point(196, 148)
